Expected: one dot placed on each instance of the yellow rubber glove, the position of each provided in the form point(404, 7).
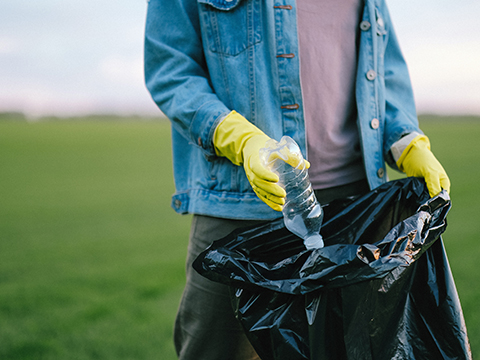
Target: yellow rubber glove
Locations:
point(240, 141)
point(417, 160)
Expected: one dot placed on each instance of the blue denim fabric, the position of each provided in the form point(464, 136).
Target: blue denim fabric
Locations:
point(204, 58)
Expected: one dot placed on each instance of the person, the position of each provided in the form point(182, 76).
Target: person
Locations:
point(232, 74)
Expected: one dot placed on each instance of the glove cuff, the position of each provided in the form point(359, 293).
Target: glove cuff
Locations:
point(419, 142)
point(397, 148)
point(231, 134)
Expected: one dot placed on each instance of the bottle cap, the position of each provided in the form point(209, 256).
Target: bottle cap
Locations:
point(314, 242)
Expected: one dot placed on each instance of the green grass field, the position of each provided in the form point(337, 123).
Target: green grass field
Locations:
point(92, 256)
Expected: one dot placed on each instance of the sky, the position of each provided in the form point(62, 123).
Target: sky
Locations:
point(72, 57)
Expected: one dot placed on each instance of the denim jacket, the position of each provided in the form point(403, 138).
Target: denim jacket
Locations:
point(204, 58)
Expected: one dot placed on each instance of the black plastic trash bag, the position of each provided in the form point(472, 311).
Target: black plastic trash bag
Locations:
point(380, 289)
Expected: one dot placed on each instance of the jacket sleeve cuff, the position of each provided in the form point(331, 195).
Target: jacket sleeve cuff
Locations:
point(204, 123)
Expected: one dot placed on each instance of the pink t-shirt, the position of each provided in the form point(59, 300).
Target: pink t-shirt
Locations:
point(328, 32)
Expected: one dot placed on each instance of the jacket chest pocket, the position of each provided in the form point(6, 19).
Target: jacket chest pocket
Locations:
point(230, 26)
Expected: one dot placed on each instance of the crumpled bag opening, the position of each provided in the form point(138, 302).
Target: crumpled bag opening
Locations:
point(381, 288)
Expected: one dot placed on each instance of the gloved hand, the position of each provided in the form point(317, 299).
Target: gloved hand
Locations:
point(240, 141)
point(417, 160)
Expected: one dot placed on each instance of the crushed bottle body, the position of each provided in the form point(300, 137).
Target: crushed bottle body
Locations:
point(302, 213)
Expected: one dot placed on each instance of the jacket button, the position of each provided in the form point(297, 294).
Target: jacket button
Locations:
point(365, 25)
point(178, 203)
point(381, 173)
point(371, 75)
point(375, 124)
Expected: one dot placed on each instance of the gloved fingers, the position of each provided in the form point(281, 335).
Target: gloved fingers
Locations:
point(265, 185)
point(433, 184)
point(437, 181)
point(445, 183)
point(276, 203)
point(437, 176)
point(271, 204)
point(289, 157)
point(259, 171)
point(270, 193)
point(270, 190)
point(286, 155)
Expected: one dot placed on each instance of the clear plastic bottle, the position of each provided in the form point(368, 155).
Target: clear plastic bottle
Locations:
point(302, 213)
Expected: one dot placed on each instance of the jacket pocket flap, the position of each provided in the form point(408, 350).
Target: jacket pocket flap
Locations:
point(221, 4)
